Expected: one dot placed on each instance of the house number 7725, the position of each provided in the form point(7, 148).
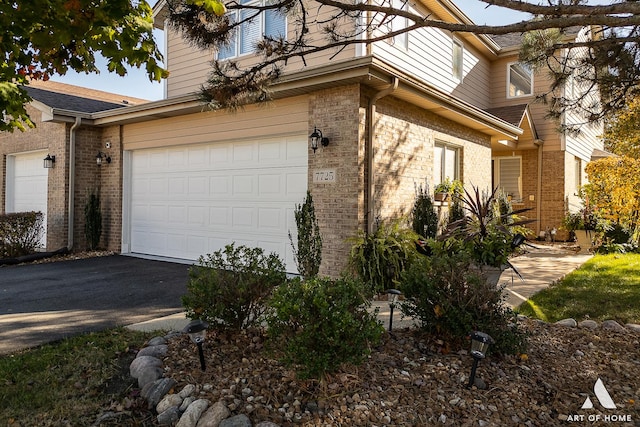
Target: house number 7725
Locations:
point(324, 176)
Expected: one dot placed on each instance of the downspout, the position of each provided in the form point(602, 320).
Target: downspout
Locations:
point(72, 181)
point(538, 143)
point(369, 153)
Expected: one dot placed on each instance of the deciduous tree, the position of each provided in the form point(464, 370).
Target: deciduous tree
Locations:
point(621, 132)
point(44, 37)
point(614, 191)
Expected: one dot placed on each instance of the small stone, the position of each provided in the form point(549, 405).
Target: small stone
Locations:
point(578, 353)
point(612, 325)
point(154, 350)
point(169, 401)
point(157, 341)
point(483, 423)
point(192, 414)
point(454, 401)
point(149, 375)
point(571, 323)
point(214, 415)
point(267, 424)
point(169, 416)
point(154, 391)
point(187, 401)
point(492, 408)
point(141, 363)
point(237, 421)
point(588, 324)
point(633, 326)
point(480, 384)
point(187, 391)
point(443, 418)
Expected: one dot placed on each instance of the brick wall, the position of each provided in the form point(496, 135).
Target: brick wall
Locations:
point(340, 205)
point(553, 190)
point(107, 179)
point(52, 138)
point(404, 138)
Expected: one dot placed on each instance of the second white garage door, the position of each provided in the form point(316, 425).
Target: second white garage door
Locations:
point(27, 185)
point(188, 201)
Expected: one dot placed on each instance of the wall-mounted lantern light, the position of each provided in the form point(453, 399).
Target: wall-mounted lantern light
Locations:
point(392, 297)
point(316, 137)
point(197, 330)
point(480, 343)
point(100, 157)
point(49, 161)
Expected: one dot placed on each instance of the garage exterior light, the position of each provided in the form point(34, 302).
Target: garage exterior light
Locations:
point(49, 161)
point(102, 156)
point(316, 137)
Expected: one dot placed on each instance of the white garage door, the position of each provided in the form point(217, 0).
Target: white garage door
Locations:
point(27, 184)
point(192, 200)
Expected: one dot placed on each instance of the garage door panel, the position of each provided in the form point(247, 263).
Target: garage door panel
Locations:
point(243, 192)
point(27, 186)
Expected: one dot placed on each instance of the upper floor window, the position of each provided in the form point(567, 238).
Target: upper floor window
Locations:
point(269, 23)
point(520, 80)
point(446, 162)
point(507, 175)
point(398, 23)
point(457, 60)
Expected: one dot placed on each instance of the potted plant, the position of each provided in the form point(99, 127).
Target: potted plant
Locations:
point(581, 224)
point(442, 190)
point(487, 234)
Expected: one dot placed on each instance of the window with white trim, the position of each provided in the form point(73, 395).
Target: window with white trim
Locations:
point(519, 80)
point(398, 23)
point(457, 60)
point(269, 23)
point(446, 162)
point(507, 175)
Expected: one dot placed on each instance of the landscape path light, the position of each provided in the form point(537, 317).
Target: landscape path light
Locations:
point(480, 343)
point(392, 297)
point(197, 330)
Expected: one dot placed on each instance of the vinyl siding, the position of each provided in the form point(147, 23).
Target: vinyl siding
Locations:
point(189, 66)
point(582, 144)
point(429, 58)
point(277, 118)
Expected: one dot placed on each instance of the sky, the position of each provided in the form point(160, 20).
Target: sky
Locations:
point(136, 83)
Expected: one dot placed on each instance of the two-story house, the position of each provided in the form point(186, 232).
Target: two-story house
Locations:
point(425, 106)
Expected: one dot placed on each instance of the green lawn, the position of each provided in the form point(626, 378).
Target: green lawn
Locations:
point(605, 287)
point(71, 382)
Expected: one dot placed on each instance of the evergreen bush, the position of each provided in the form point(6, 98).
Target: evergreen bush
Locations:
point(308, 250)
point(229, 288)
point(93, 221)
point(424, 216)
point(321, 323)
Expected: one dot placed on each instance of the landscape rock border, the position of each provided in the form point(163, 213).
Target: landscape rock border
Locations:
point(185, 409)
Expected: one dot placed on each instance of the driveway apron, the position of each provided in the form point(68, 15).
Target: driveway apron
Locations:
point(41, 303)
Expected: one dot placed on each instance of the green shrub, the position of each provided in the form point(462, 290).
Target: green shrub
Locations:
point(229, 288)
point(308, 251)
point(379, 258)
point(321, 323)
point(93, 221)
point(424, 216)
point(450, 297)
point(20, 233)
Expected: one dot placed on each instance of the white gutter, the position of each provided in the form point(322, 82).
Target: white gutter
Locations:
point(72, 181)
point(370, 154)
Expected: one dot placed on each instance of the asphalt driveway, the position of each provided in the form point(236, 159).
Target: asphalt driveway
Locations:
point(45, 302)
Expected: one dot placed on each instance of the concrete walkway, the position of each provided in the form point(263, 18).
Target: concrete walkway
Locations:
point(539, 267)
